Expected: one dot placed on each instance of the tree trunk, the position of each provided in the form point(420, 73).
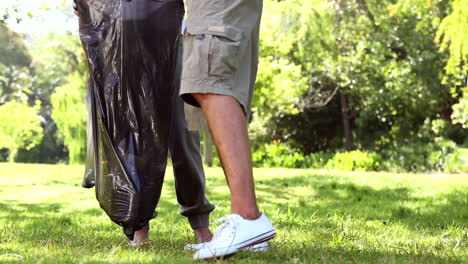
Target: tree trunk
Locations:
point(346, 122)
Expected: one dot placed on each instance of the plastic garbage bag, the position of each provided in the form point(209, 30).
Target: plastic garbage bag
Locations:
point(89, 178)
point(131, 50)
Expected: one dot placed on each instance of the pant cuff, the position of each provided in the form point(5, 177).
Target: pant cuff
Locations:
point(199, 221)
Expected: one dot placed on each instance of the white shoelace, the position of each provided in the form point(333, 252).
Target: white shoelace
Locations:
point(226, 230)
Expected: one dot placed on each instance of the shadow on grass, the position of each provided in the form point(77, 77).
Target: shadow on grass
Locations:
point(15, 210)
point(50, 227)
point(53, 224)
point(308, 254)
point(338, 195)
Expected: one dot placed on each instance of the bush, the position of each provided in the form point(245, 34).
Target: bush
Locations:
point(282, 155)
point(318, 160)
point(20, 127)
point(278, 155)
point(68, 99)
point(457, 161)
point(416, 157)
point(355, 161)
point(421, 157)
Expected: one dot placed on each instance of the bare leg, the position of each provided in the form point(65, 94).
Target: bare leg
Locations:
point(229, 128)
point(203, 234)
point(141, 236)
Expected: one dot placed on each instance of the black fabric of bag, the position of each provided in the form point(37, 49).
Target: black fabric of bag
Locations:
point(131, 49)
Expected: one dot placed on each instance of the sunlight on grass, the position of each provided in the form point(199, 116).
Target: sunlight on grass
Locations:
point(320, 216)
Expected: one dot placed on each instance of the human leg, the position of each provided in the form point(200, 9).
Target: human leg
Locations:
point(228, 126)
point(220, 64)
point(190, 180)
point(141, 237)
point(219, 70)
point(188, 168)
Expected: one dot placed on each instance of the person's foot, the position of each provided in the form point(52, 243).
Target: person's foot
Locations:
point(235, 234)
point(140, 238)
point(203, 234)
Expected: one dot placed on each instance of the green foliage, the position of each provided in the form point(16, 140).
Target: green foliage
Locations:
point(58, 60)
point(390, 69)
point(453, 36)
point(16, 83)
point(12, 48)
point(281, 155)
point(20, 127)
point(70, 116)
point(355, 161)
point(312, 130)
point(49, 151)
point(278, 90)
point(440, 156)
point(59, 55)
point(457, 161)
point(415, 157)
point(380, 55)
point(278, 155)
point(24, 84)
point(400, 65)
point(460, 110)
point(286, 58)
point(56, 57)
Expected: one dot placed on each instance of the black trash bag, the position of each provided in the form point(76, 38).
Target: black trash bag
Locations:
point(89, 178)
point(131, 50)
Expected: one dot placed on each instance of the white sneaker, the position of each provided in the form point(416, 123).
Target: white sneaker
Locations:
point(260, 247)
point(235, 234)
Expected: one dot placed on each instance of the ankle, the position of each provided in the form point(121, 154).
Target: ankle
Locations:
point(141, 235)
point(248, 215)
point(203, 234)
point(247, 209)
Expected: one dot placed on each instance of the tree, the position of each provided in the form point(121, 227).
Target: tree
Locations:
point(13, 51)
point(14, 64)
point(68, 95)
point(453, 37)
point(20, 127)
point(368, 68)
point(286, 60)
point(70, 116)
point(55, 58)
point(460, 110)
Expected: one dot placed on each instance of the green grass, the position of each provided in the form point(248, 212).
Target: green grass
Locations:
point(320, 216)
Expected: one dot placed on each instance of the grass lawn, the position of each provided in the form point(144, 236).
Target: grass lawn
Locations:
point(320, 216)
